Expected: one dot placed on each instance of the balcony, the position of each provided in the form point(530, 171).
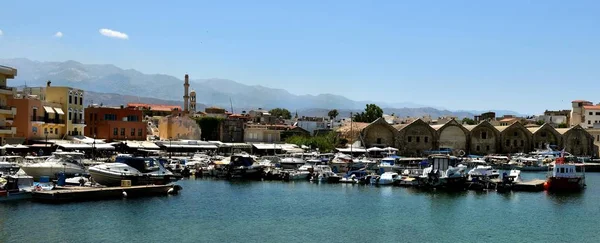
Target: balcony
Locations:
point(8, 130)
point(6, 90)
point(78, 122)
point(54, 121)
point(39, 119)
point(8, 110)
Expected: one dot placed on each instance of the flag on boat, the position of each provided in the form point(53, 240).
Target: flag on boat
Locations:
point(562, 153)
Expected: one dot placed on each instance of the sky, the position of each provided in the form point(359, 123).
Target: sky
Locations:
point(525, 56)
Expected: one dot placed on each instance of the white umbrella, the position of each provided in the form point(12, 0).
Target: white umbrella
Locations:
point(375, 149)
point(390, 149)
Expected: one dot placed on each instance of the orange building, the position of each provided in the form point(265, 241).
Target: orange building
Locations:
point(115, 123)
point(38, 120)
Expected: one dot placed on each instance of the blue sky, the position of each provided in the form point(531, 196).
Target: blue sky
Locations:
point(526, 56)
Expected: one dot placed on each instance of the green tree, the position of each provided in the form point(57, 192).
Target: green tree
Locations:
point(372, 112)
point(540, 122)
point(281, 112)
point(325, 143)
point(468, 121)
point(333, 114)
point(563, 125)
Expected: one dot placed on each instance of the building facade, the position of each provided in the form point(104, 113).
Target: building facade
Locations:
point(71, 101)
point(312, 124)
point(37, 119)
point(7, 113)
point(112, 123)
point(419, 138)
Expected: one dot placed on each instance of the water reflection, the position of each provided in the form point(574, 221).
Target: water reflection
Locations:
point(565, 198)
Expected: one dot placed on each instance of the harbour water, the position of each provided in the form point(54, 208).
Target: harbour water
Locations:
point(223, 211)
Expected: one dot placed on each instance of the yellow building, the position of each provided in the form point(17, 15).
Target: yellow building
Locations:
point(71, 102)
point(7, 113)
point(178, 127)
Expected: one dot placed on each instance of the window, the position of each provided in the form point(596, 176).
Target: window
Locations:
point(515, 134)
point(115, 131)
point(55, 130)
point(378, 140)
point(577, 142)
point(598, 139)
point(69, 115)
point(418, 139)
point(51, 131)
point(110, 117)
point(81, 100)
point(133, 132)
point(507, 142)
point(477, 148)
point(81, 116)
point(589, 121)
point(483, 135)
point(122, 131)
point(409, 139)
point(75, 101)
point(132, 118)
point(426, 139)
point(522, 143)
point(597, 113)
point(70, 99)
point(91, 117)
point(515, 143)
point(591, 113)
point(139, 132)
point(487, 148)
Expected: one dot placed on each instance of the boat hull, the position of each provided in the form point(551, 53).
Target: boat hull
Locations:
point(37, 170)
point(112, 179)
point(563, 184)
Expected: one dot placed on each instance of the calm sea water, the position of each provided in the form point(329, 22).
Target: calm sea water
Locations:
point(222, 211)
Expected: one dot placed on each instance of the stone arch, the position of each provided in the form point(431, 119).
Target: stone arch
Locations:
point(453, 135)
point(483, 139)
point(515, 138)
point(578, 141)
point(379, 133)
point(543, 135)
point(416, 138)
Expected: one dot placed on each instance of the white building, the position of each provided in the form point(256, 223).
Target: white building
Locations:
point(311, 124)
point(585, 113)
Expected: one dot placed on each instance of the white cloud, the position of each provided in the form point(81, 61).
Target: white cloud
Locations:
point(58, 34)
point(114, 34)
point(1, 33)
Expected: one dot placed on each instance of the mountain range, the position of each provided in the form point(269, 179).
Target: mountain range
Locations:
point(111, 85)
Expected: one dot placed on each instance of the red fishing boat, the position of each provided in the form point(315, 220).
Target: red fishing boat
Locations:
point(565, 178)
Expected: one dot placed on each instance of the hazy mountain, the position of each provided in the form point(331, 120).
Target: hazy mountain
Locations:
point(113, 86)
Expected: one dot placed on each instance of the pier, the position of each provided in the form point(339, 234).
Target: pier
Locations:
point(69, 194)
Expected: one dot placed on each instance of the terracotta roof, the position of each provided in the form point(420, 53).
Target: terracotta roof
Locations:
point(155, 107)
point(577, 101)
point(591, 107)
point(509, 119)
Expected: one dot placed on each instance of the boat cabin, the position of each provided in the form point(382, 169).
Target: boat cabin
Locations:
point(564, 171)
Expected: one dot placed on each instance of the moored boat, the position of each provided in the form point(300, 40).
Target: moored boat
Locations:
point(565, 178)
point(140, 171)
point(69, 163)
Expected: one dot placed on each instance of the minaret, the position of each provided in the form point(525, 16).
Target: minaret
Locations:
point(193, 102)
point(186, 97)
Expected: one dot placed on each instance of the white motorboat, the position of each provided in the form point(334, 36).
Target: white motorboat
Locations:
point(387, 178)
point(296, 175)
point(69, 163)
point(140, 171)
point(291, 163)
point(483, 171)
point(388, 164)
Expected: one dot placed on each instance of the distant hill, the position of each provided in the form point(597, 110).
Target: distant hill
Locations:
point(112, 85)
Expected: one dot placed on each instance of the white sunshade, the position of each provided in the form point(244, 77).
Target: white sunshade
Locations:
point(49, 109)
point(390, 149)
point(74, 145)
point(103, 146)
point(375, 149)
point(59, 111)
point(142, 145)
point(266, 146)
